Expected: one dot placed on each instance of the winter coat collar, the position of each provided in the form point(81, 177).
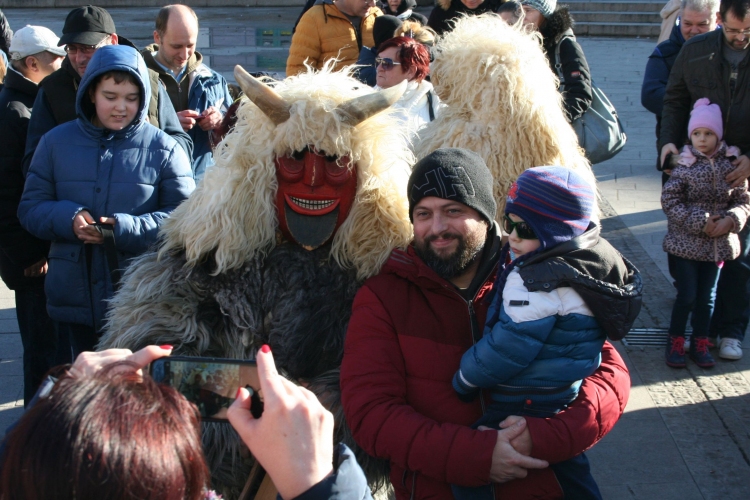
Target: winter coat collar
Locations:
point(676, 36)
point(408, 265)
point(195, 63)
point(690, 155)
point(16, 81)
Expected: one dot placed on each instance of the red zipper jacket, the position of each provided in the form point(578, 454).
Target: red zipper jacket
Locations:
point(407, 333)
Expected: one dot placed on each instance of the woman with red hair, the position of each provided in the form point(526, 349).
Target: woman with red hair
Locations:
point(403, 58)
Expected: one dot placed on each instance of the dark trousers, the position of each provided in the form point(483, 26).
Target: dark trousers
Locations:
point(38, 337)
point(696, 293)
point(80, 337)
point(732, 309)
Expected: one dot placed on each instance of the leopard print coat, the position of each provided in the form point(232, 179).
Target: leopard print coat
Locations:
point(696, 190)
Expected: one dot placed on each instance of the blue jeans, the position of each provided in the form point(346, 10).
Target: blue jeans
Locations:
point(38, 336)
point(732, 310)
point(696, 292)
point(574, 475)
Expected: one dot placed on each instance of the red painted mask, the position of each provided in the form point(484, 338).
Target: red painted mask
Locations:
point(315, 195)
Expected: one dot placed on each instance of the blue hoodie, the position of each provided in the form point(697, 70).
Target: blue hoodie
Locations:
point(137, 175)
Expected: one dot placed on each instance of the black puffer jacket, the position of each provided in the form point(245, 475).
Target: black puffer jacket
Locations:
point(609, 284)
point(558, 30)
point(701, 71)
point(18, 248)
point(446, 11)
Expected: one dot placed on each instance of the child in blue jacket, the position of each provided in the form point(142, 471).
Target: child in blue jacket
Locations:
point(562, 290)
point(110, 168)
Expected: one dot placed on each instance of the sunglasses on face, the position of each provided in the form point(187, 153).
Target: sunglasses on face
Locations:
point(523, 230)
point(387, 63)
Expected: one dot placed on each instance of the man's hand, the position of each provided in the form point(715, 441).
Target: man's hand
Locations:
point(293, 439)
point(665, 150)
point(507, 463)
point(36, 269)
point(521, 443)
point(210, 119)
point(84, 230)
point(741, 171)
point(188, 118)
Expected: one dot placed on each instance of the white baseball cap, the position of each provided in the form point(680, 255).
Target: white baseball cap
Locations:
point(32, 40)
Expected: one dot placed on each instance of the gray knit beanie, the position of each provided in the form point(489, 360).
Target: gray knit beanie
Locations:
point(545, 7)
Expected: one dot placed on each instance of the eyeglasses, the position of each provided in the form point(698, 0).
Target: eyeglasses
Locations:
point(83, 49)
point(523, 230)
point(733, 31)
point(387, 63)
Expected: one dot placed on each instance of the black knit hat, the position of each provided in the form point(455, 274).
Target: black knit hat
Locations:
point(453, 174)
point(87, 25)
point(384, 28)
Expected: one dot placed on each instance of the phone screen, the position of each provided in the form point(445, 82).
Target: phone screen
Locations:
point(210, 383)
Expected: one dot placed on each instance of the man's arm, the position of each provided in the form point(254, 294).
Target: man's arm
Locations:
point(654, 83)
point(170, 123)
point(599, 405)
point(373, 393)
point(676, 106)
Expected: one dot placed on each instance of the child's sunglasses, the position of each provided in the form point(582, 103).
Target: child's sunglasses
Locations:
point(387, 63)
point(523, 230)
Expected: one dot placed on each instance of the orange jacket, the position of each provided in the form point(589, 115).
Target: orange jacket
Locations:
point(324, 33)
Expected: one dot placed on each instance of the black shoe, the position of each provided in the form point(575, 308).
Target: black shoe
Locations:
point(699, 352)
point(675, 353)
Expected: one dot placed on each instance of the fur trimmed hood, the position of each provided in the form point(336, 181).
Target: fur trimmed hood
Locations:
point(557, 24)
point(231, 217)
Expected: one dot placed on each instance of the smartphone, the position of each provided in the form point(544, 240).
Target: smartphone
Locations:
point(210, 383)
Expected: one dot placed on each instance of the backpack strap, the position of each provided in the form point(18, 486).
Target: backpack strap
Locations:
point(558, 64)
point(429, 105)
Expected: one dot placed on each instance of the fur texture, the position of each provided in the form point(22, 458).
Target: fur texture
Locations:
point(223, 284)
point(502, 102)
point(231, 215)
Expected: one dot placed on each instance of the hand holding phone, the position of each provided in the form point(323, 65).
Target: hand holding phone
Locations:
point(293, 439)
point(210, 383)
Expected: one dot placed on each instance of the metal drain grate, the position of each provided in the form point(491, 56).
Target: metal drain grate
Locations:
point(647, 336)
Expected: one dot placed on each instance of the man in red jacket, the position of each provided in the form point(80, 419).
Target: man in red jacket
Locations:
point(410, 326)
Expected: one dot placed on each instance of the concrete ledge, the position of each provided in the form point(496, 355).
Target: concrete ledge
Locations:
point(151, 3)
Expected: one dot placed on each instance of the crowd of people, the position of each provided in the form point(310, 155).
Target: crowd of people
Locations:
point(349, 224)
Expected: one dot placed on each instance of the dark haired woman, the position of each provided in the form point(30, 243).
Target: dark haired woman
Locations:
point(404, 10)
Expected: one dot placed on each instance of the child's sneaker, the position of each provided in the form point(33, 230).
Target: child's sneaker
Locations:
point(699, 352)
point(730, 349)
point(675, 354)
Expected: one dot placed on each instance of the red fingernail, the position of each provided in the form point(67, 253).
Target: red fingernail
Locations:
point(239, 393)
point(166, 347)
point(266, 348)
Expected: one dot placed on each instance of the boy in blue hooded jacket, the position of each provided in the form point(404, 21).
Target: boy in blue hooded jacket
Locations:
point(109, 167)
point(562, 290)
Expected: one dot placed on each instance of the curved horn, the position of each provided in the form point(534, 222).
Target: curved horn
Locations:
point(271, 103)
point(356, 110)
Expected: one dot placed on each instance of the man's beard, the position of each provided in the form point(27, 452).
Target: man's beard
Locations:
point(456, 263)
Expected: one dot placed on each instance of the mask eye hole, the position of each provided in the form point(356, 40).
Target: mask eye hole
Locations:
point(298, 155)
point(338, 170)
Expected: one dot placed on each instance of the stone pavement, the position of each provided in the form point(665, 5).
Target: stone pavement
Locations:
point(686, 433)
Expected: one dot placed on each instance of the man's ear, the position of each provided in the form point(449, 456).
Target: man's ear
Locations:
point(157, 38)
point(114, 39)
point(718, 18)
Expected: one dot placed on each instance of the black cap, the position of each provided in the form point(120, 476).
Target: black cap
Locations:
point(87, 25)
point(384, 28)
point(453, 174)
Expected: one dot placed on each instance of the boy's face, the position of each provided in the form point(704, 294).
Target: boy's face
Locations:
point(704, 140)
point(116, 103)
point(518, 245)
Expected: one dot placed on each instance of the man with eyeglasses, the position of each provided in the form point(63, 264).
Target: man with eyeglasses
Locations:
point(716, 66)
point(412, 323)
point(87, 29)
point(332, 29)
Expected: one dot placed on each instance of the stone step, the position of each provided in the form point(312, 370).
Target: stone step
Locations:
point(598, 16)
point(618, 6)
point(618, 29)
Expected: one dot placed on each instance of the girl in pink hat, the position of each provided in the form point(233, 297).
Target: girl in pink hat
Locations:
point(704, 215)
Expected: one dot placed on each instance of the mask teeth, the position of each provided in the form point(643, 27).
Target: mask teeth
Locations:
point(312, 204)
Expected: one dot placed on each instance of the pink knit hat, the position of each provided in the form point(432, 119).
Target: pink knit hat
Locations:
point(707, 115)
